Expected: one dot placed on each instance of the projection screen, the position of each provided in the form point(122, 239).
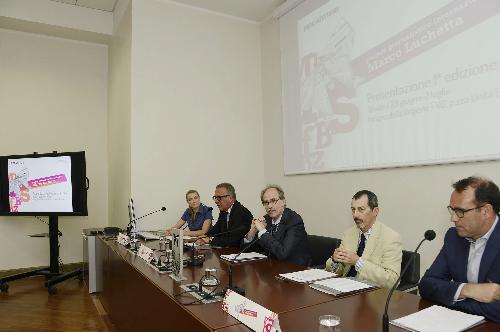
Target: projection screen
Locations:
point(388, 83)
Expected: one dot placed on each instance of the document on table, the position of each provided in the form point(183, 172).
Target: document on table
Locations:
point(338, 286)
point(307, 276)
point(438, 319)
point(246, 256)
point(197, 246)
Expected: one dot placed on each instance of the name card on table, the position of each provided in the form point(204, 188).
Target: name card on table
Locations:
point(145, 253)
point(253, 315)
point(123, 239)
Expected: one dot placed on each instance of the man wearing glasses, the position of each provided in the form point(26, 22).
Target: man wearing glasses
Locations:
point(234, 219)
point(369, 250)
point(281, 232)
point(466, 273)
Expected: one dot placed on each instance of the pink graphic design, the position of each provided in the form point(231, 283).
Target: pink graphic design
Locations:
point(247, 312)
point(47, 181)
point(224, 303)
point(268, 323)
point(19, 187)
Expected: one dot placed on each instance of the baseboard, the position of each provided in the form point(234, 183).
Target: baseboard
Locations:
point(65, 268)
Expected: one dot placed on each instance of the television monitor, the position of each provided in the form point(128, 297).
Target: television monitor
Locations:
point(50, 184)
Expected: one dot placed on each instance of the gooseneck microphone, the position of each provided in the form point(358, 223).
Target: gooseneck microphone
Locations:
point(221, 233)
point(429, 235)
point(230, 286)
point(194, 260)
point(150, 213)
point(131, 224)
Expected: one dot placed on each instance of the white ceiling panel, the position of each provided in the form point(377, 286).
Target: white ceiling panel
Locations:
point(107, 5)
point(254, 10)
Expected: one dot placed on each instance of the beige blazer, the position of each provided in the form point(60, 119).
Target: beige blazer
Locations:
point(382, 255)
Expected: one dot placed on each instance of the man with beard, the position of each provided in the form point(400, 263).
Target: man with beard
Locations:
point(369, 250)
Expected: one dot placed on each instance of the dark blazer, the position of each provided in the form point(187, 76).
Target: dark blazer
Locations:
point(240, 220)
point(288, 243)
point(440, 282)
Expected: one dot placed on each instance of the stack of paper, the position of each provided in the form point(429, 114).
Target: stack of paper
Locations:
point(246, 256)
point(307, 276)
point(196, 246)
point(337, 286)
point(438, 319)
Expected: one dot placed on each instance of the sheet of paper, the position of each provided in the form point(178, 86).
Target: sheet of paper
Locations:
point(438, 319)
point(306, 276)
point(246, 256)
point(336, 286)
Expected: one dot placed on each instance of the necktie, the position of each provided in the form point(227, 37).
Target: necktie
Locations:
point(274, 228)
point(361, 247)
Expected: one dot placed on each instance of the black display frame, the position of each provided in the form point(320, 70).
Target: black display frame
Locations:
point(79, 183)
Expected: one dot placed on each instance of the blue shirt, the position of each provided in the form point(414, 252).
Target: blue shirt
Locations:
point(203, 213)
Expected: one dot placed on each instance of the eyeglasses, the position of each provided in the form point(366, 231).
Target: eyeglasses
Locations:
point(271, 201)
point(461, 212)
point(218, 198)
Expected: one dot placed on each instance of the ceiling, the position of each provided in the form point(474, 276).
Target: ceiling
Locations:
point(253, 10)
point(106, 5)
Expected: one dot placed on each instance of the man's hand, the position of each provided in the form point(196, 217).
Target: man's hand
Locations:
point(343, 255)
point(484, 292)
point(203, 240)
point(168, 232)
point(253, 230)
point(260, 223)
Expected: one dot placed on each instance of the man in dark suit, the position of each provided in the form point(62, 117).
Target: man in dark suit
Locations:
point(281, 231)
point(234, 218)
point(466, 272)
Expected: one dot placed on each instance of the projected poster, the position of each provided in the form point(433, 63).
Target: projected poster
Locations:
point(40, 184)
point(390, 83)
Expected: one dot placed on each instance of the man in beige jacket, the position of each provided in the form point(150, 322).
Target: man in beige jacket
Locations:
point(370, 250)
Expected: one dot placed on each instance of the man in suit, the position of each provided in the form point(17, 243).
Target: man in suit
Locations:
point(234, 218)
point(369, 250)
point(281, 232)
point(466, 273)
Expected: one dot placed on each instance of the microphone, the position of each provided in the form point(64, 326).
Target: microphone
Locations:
point(230, 286)
point(221, 233)
point(194, 260)
point(132, 222)
point(429, 235)
point(150, 213)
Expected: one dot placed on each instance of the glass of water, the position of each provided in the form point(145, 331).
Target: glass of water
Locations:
point(329, 323)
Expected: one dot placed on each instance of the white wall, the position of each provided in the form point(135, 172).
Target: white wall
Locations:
point(412, 199)
point(119, 114)
point(196, 108)
point(53, 96)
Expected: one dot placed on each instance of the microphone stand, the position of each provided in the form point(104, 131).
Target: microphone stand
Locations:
point(230, 285)
point(132, 222)
point(385, 317)
point(194, 261)
point(131, 228)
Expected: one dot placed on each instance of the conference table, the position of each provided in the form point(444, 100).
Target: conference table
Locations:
point(138, 298)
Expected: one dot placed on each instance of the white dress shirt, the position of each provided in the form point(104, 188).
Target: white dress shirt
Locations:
point(476, 251)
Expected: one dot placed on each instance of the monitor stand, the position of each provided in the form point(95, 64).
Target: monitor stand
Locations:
point(51, 273)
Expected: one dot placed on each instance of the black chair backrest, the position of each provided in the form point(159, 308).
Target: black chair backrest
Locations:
point(412, 274)
point(321, 248)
